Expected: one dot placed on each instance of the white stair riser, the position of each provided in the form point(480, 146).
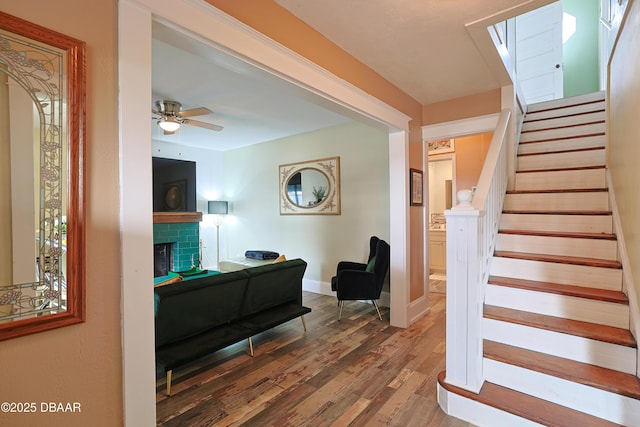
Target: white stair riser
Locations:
point(568, 307)
point(550, 123)
point(580, 130)
point(563, 246)
point(557, 223)
point(573, 159)
point(559, 112)
point(563, 274)
point(562, 145)
point(563, 202)
point(580, 349)
point(477, 413)
point(590, 400)
point(567, 102)
point(556, 180)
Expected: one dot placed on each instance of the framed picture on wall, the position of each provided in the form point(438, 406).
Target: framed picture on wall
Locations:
point(440, 146)
point(174, 196)
point(415, 187)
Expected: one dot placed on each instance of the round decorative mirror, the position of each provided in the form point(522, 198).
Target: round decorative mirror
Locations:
point(307, 188)
point(311, 187)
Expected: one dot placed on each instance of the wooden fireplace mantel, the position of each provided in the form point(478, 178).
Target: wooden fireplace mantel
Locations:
point(173, 217)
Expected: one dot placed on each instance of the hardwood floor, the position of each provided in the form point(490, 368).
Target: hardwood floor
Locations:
point(359, 371)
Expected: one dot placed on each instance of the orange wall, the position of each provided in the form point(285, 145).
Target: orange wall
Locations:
point(416, 221)
point(80, 363)
point(470, 154)
point(462, 108)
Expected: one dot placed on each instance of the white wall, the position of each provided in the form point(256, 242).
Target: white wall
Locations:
point(209, 183)
point(251, 186)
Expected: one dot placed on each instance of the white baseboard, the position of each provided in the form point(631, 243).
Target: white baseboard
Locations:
point(324, 288)
point(317, 287)
point(418, 309)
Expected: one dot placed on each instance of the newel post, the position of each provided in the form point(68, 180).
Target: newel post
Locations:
point(464, 295)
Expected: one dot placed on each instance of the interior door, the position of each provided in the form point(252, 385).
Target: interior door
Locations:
point(539, 53)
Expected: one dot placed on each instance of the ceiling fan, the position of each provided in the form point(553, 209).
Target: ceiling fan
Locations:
point(171, 117)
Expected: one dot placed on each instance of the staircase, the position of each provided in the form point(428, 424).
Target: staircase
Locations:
point(557, 345)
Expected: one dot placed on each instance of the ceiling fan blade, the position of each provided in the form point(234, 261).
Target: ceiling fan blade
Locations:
point(209, 126)
point(200, 111)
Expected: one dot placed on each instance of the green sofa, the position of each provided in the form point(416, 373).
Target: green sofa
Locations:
point(197, 317)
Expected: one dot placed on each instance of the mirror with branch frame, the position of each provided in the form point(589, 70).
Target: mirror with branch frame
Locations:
point(42, 135)
point(311, 187)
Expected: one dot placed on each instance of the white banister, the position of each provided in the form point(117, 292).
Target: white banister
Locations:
point(471, 233)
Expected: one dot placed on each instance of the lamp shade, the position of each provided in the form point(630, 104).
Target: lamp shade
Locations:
point(169, 124)
point(218, 207)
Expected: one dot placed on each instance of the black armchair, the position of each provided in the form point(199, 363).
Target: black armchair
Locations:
point(358, 281)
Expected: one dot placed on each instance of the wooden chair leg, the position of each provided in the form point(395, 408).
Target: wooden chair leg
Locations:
point(377, 309)
point(250, 347)
point(169, 375)
point(304, 324)
point(340, 312)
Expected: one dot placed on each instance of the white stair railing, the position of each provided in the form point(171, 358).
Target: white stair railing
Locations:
point(472, 227)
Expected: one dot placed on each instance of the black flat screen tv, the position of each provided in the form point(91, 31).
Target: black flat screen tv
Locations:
point(174, 185)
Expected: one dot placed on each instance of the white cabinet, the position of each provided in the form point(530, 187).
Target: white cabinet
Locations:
point(437, 251)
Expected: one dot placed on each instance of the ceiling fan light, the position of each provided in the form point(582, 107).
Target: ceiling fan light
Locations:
point(169, 124)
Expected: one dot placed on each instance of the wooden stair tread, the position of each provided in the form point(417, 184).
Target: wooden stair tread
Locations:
point(562, 116)
point(525, 406)
point(573, 150)
point(579, 168)
point(532, 107)
point(617, 297)
point(595, 122)
point(535, 141)
point(603, 333)
point(570, 370)
point(561, 169)
point(527, 212)
point(573, 235)
point(572, 190)
point(560, 259)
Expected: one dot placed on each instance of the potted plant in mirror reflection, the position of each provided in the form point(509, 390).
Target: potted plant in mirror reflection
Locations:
point(319, 193)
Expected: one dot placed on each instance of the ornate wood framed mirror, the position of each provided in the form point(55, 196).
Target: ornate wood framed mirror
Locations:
point(42, 137)
point(311, 187)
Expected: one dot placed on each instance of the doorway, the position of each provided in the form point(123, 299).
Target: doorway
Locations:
point(539, 53)
point(135, 24)
point(442, 190)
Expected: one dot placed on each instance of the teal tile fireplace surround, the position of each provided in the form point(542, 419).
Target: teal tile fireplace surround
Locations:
point(186, 238)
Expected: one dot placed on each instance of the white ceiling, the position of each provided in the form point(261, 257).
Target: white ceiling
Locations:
point(421, 46)
point(252, 105)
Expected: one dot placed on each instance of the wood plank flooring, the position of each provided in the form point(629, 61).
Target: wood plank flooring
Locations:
point(357, 372)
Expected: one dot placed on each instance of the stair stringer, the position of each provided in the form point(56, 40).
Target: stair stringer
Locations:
point(628, 284)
